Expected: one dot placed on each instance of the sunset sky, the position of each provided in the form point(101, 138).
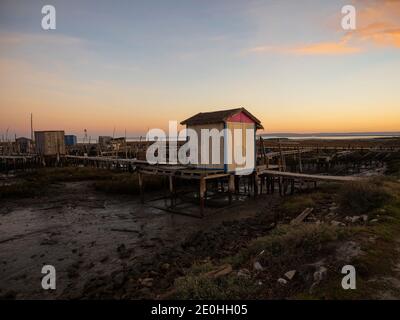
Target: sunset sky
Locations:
point(138, 64)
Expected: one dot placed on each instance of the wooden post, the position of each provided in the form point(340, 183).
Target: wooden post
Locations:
point(285, 185)
point(203, 187)
point(300, 162)
point(171, 189)
point(255, 181)
point(140, 177)
point(237, 185)
point(231, 187)
point(272, 184)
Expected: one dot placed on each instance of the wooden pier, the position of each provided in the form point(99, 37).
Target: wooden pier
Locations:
point(314, 177)
point(175, 172)
point(266, 178)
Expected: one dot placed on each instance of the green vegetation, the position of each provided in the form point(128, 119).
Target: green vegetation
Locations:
point(393, 165)
point(35, 183)
point(297, 247)
point(363, 197)
point(128, 184)
point(282, 250)
point(297, 204)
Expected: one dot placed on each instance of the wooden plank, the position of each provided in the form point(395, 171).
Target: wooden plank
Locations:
point(300, 218)
point(312, 176)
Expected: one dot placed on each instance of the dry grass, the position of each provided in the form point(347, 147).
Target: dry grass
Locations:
point(35, 183)
point(128, 184)
point(363, 197)
point(284, 249)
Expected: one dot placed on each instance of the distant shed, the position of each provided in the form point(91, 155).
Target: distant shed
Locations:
point(50, 143)
point(70, 140)
point(24, 145)
point(231, 119)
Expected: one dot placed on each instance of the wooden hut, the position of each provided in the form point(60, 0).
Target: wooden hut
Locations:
point(24, 145)
point(50, 143)
point(231, 119)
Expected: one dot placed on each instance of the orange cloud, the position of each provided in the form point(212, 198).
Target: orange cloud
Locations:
point(378, 24)
point(326, 48)
point(320, 48)
point(16, 38)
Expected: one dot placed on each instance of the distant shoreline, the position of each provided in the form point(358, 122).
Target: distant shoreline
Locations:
point(331, 136)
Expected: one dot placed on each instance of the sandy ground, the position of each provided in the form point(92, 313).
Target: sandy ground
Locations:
point(85, 234)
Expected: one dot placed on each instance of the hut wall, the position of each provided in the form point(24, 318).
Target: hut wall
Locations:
point(243, 126)
point(210, 165)
point(50, 143)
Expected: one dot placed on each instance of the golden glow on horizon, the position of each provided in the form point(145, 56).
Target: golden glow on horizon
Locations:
point(302, 96)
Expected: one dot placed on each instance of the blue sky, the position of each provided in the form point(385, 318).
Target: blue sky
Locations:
point(137, 64)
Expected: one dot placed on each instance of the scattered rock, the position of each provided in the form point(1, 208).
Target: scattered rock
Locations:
point(244, 273)
point(320, 274)
point(258, 266)
point(165, 266)
point(337, 223)
point(290, 274)
point(374, 221)
point(347, 251)
point(352, 219)
point(146, 282)
point(282, 281)
point(364, 217)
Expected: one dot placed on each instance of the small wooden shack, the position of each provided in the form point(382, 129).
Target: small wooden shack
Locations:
point(24, 145)
point(231, 119)
point(50, 143)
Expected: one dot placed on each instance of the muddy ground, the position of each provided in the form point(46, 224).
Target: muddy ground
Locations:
point(111, 245)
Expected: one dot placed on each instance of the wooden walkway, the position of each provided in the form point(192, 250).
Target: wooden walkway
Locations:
point(335, 148)
point(314, 177)
point(274, 154)
point(17, 157)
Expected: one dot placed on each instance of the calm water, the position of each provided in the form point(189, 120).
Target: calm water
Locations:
point(330, 137)
point(309, 137)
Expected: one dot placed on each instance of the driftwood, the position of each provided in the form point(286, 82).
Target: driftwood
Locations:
point(219, 272)
point(300, 218)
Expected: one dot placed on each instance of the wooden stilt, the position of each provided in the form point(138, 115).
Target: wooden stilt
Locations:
point(171, 189)
point(140, 177)
point(231, 187)
point(255, 182)
point(203, 187)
